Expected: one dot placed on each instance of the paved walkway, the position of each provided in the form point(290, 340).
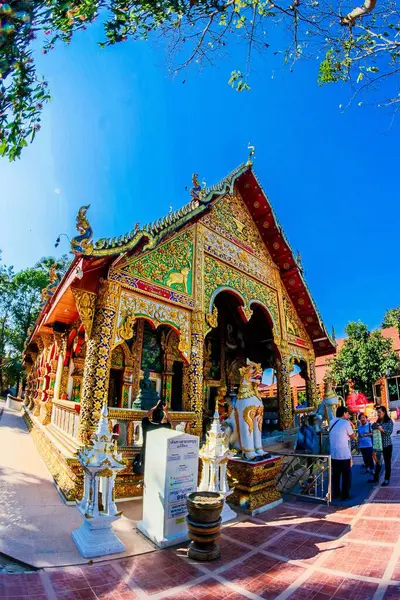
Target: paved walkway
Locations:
point(297, 550)
point(35, 524)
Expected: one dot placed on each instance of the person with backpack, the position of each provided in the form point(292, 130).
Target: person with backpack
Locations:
point(382, 443)
point(365, 442)
point(340, 434)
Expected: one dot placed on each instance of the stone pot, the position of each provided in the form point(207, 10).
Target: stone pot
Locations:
point(204, 524)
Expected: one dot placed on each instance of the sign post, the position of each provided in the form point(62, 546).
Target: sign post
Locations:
point(171, 470)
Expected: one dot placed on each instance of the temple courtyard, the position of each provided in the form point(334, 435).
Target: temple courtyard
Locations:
point(297, 550)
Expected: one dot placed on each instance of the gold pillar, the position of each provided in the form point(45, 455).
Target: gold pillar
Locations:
point(47, 399)
point(185, 387)
point(29, 369)
point(61, 341)
point(127, 387)
point(167, 387)
point(64, 383)
point(311, 385)
point(77, 376)
point(295, 397)
point(283, 369)
point(96, 374)
point(41, 391)
point(196, 391)
point(137, 350)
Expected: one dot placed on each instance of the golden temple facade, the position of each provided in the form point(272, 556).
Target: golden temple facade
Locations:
point(184, 302)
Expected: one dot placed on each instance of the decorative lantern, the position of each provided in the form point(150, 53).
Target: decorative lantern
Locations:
point(214, 455)
point(100, 462)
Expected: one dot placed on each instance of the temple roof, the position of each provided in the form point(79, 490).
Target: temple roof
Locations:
point(89, 253)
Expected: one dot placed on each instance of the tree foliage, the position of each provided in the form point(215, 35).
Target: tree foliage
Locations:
point(360, 45)
point(20, 300)
point(364, 358)
point(392, 318)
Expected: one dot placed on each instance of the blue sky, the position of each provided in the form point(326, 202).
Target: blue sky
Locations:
point(125, 137)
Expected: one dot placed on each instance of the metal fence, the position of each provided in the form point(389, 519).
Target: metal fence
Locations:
point(305, 475)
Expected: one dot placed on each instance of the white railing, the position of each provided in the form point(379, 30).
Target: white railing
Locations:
point(65, 417)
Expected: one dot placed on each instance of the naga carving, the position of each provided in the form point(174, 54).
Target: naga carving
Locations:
point(48, 291)
point(125, 330)
point(195, 191)
point(82, 243)
point(244, 425)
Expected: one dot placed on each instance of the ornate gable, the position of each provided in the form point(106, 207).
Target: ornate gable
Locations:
point(294, 326)
point(231, 219)
point(169, 265)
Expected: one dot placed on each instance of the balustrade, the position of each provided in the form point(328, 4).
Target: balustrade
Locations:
point(130, 425)
point(65, 416)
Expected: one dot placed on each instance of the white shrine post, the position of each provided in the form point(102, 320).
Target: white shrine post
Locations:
point(214, 455)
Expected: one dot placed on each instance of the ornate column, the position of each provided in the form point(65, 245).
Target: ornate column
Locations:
point(295, 397)
point(96, 374)
point(196, 391)
point(28, 387)
point(185, 387)
point(195, 381)
point(77, 376)
point(47, 401)
point(64, 382)
point(283, 368)
point(127, 387)
point(311, 385)
point(137, 350)
point(61, 341)
point(167, 387)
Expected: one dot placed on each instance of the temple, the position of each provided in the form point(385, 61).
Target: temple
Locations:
point(174, 307)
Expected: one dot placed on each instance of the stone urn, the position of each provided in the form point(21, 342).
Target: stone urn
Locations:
point(204, 524)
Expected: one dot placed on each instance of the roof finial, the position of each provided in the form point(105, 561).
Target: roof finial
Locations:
point(82, 243)
point(197, 192)
point(196, 189)
point(333, 334)
point(252, 156)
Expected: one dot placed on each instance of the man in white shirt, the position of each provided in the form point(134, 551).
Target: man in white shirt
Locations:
point(340, 434)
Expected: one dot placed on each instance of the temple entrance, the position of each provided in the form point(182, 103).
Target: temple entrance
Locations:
point(299, 385)
point(177, 383)
point(227, 347)
point(115, 389)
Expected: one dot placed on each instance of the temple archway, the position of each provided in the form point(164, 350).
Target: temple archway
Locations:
point(237, 333)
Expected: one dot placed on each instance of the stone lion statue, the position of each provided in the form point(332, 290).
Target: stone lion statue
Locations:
point(244, 424)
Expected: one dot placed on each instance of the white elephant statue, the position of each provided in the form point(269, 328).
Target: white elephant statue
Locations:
point(244, 424)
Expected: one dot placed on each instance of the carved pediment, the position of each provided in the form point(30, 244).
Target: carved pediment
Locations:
point(170, 264)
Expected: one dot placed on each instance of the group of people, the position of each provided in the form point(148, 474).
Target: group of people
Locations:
point(374, 442)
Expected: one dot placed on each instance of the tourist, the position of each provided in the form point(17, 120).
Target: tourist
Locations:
point(157, 418)
point(382, 443)
point(340, 434)
point(306, 437)
point(365, 442)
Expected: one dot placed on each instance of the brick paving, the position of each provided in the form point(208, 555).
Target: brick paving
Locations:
point(296, 551)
